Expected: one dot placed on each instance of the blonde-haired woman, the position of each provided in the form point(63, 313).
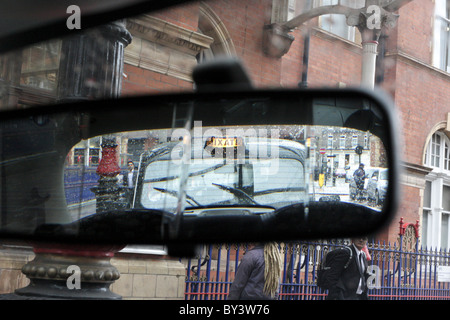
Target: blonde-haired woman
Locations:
point(258, 274)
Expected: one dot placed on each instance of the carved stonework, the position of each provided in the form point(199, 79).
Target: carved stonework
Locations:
point(48, 267)
point(167, 34)
point(164, 47)
point(53, 268)
point(276, 40)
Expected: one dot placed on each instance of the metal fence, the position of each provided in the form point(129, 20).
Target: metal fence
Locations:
point(401, 271)
point(78, 181)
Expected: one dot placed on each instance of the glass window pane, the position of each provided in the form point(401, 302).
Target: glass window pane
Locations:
point(40, 65)
point(423, 238)
point(446, 156)
point(446, 198)
point(427, 195)
point(444, 231)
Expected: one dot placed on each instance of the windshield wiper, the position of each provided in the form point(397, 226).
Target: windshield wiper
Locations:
point(238, 193)
point(192, 174)
point(176, 195)
point(287, 189)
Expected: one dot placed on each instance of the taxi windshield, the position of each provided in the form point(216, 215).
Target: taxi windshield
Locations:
point(270, 181)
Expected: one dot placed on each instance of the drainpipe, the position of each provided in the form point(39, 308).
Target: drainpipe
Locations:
point(304, 82)
point(305, 62)
point(379, 75)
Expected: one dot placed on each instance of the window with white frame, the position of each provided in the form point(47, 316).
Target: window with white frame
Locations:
point(336, 23)
point(354, 141)
point(293, 9)
point(441, 35)
point(342, 142)
point(285, 10)
point(436, 200)
point(437, 154)
point(330, 142)
point(445, 217)
point(40, 64)
point(426, 214)
point(436, 213)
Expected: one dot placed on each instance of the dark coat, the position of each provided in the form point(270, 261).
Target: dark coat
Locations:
point(129, 191)
point(249, 281)
point(345, 281)
point(125, 178)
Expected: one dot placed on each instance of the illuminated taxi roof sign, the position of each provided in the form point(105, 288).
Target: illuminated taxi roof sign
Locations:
point(224, 142)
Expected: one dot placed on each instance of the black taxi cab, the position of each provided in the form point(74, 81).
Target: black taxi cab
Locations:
point(251, 175)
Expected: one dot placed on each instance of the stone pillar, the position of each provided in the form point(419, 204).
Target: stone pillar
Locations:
point(369, 60)
point(370, 21)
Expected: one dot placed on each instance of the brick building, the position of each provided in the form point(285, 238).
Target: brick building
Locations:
point(412, 65)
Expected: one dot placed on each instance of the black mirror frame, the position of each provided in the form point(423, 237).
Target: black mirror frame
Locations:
point(98, 108)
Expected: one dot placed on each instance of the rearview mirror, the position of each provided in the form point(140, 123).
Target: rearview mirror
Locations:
point(205, 167)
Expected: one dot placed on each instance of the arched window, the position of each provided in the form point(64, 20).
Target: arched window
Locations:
point(437, 154)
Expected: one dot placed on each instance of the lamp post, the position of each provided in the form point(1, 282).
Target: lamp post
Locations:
point(109, 196)
point(91, 67)
point(91, 64)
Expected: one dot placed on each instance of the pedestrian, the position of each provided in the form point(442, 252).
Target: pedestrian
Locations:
point(258, 274)
point(129, 177)
point(129, 181)
point(350, 283)
point(359, 175)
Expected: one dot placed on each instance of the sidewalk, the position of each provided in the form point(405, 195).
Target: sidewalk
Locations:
point(341, 188)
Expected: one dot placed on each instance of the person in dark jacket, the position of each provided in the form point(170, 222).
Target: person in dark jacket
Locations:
point(258, 274)
point(130, 176)
point(359, 175)
point(350, 283)
point(129, 181)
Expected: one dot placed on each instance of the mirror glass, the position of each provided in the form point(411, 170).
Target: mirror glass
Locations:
point(194, 157)
point(261, 167)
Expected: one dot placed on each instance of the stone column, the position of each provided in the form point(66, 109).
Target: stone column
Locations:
point(370, 21)
point(369, 60)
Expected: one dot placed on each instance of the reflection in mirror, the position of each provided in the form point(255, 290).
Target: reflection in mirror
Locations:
point(238, 170)
point(279, 160)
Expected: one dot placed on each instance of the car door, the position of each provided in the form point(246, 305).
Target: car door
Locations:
point(372, 184)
